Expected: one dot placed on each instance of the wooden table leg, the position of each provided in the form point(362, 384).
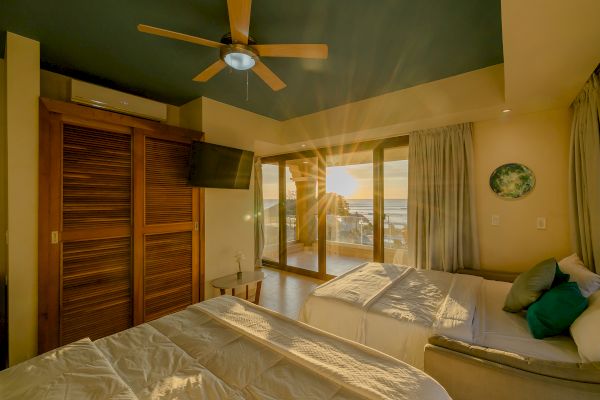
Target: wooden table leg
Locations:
point(246, 292)
point(257, 295)
point(222, 291)
point(233, 292)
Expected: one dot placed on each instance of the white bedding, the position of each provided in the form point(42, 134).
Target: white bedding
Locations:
point(395, 308)
point(224, 348)
point(509, 332)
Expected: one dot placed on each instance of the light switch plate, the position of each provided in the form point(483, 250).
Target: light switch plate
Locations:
point(540, 223)
point(495, 220)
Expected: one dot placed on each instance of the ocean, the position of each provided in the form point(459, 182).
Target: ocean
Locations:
point(395, 209)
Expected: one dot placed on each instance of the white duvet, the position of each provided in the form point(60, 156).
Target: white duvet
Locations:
point(395, 308)
point(224, 348)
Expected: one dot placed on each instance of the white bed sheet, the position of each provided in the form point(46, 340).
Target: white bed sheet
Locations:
point(506, 331)
point(395, 309)
point(224, 348)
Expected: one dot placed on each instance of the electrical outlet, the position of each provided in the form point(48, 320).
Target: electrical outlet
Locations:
point(540, 223)
point(495, 220)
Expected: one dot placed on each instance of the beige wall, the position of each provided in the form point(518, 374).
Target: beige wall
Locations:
point(550, 49)
point(22, 93)
point(541, 141)
point(229, 212)
point(474, 95)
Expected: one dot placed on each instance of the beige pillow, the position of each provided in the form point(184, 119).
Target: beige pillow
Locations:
point(587, 281)
point(586, 330)
point(530, 285)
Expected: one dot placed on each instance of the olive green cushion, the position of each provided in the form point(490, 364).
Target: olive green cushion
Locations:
point(556, 310)
point(530, 285)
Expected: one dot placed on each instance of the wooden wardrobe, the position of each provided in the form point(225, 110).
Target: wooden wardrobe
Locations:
point(120, 230)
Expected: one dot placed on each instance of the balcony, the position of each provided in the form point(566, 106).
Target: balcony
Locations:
point(349, 243)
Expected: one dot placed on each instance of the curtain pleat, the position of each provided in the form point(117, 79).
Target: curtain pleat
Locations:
point(441, 200)
point(584, 174)
point(259, 222)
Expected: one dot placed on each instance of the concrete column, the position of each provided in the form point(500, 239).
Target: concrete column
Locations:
point(304, 176)
point(22, 131)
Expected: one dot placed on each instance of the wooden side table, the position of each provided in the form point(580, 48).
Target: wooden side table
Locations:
point(247, 277)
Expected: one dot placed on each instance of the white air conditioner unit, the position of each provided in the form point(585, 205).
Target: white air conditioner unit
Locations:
point(108, 99)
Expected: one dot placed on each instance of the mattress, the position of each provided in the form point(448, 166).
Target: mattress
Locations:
point(509, 332)
point(395, 309)
point(223, 348)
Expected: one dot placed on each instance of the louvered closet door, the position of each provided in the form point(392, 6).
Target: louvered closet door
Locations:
point(96, 238)
point(169, 247)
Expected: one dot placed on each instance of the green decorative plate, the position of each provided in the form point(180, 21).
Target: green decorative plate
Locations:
point(511, 181)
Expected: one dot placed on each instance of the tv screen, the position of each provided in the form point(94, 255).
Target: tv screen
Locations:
point(214, 166)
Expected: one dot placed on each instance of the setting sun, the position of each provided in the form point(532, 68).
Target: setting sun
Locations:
point(341, 182)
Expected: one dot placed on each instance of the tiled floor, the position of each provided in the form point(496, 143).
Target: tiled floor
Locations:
point(336, 265)
point(285, 292)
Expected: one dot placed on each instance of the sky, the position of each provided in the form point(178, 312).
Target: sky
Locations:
point(351, 181)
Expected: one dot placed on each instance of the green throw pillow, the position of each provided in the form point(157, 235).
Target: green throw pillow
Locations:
point(556, 310)
point(530, 285)
point(559, 277)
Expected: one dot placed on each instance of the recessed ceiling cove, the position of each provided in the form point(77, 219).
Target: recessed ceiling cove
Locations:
point(375, 47)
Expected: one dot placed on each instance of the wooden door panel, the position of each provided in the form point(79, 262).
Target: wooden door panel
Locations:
point(96, 288)
point(168, 195)
point(96, 249)
point(96, 178)
point(167, 273)
point(170, 231)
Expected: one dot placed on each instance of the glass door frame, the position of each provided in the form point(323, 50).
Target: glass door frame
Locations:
point(322, 154)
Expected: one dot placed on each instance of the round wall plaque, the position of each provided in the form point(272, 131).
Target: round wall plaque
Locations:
point(511, 181)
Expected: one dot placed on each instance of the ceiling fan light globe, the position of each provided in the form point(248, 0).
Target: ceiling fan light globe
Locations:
point(239, 61)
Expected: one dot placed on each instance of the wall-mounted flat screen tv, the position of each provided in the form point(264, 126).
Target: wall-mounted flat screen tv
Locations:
point(214, 166)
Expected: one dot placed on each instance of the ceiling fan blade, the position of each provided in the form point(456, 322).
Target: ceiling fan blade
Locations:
point(239, 20)
point(268, 76)
point(292, 50)
point(211, 71)
point(177, 36)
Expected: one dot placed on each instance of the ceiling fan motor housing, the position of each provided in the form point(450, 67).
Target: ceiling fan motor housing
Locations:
point(227, 39)
point(239, 56)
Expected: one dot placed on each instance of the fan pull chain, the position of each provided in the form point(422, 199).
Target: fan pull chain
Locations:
point(247, 85)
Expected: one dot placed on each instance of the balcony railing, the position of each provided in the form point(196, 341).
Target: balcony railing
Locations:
point(351, 229)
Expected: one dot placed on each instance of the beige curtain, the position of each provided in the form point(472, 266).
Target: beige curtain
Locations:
point(442, 231)
point(259, 221)
point(584, 171)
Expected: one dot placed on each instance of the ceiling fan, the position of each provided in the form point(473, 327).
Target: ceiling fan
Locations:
point(239, 50)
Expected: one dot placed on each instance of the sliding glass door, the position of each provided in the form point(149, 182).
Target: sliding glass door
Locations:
point(395, 205)
point(270, 187)
point(331, 209)
point(301, 213)
point(349, 208)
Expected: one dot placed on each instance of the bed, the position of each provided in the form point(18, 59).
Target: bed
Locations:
point(223, 348)
point(394, 308)
point(451, 326)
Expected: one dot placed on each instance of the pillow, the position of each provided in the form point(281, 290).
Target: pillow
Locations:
point(559, 277)
point(556, 310)
point(586, 330)
point(588, 281)
point(530, 285)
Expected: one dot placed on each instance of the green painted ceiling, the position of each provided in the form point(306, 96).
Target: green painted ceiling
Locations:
point(375, 46)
